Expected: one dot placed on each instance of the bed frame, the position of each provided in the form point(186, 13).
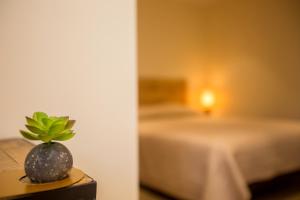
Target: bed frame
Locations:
point(160, 91)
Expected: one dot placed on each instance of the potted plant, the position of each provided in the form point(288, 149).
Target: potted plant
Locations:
point(49, 161)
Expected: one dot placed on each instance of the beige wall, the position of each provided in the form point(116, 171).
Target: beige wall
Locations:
point(168, 38)
point(248, 53)
point(253, 53)
point(76, 58)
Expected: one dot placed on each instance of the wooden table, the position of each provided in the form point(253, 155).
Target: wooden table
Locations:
point(12, 156)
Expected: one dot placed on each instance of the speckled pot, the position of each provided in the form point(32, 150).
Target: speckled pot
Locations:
point(48, 162)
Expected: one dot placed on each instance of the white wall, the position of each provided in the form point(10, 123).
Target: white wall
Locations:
point(77, 58)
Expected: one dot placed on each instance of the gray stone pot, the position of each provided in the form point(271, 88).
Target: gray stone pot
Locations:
point(48, 162)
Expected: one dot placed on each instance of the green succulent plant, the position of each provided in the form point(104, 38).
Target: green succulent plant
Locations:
point(45, 128)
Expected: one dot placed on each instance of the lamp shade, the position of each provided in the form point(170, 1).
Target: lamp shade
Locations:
point(207, 100)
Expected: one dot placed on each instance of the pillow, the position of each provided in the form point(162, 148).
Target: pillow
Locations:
point(165, 111)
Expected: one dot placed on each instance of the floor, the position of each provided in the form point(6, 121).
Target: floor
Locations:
point(289, 193)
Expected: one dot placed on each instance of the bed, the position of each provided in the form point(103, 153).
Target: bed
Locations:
point(192, 156)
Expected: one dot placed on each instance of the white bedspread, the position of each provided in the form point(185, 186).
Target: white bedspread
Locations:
point(215, 159)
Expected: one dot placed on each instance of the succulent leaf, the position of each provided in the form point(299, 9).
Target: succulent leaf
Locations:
point(66, 131)
point(70, 124)
point(53, 118)
point(38, 116)
point(56, 129)
point(45, 128)
point(47, 123)
point(35, 129)
point(64, 137)
point(65, 118)
point(45, 138)
point(32, 122)
point(28, 135)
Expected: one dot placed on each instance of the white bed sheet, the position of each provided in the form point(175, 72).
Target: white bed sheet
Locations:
point(213, 159)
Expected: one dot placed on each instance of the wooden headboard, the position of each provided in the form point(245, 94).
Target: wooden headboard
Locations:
point(159, 91)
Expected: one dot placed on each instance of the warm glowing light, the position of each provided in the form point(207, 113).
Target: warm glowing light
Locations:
point(207, 100)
